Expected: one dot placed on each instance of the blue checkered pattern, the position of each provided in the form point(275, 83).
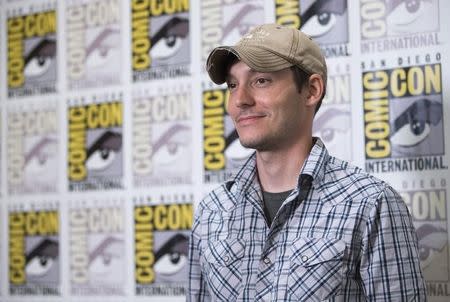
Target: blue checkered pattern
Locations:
point(349, 237)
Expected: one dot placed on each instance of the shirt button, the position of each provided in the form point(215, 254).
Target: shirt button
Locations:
point(266, 260)
point(305, 258)
point(226, 259)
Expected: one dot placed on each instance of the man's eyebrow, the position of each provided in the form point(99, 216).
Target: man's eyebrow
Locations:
point(251, 71)
point(228, 78)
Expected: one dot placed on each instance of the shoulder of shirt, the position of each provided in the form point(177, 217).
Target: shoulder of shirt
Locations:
point(219, 199)
point(352, 181)
point(225, 197)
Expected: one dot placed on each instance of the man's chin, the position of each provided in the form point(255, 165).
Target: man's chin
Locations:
point(258, 145)
point(246, 143)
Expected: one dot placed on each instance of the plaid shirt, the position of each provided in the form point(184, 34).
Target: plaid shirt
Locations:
point(341, 235)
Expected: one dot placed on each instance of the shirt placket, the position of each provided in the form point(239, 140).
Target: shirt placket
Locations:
point(267, 262)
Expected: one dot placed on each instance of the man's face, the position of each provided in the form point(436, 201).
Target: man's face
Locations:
point(268, 111)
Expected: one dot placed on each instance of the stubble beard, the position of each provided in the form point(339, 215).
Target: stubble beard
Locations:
point(258, 143)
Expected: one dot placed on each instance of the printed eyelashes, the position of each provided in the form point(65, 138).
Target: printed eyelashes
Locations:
point(45, 48)
point(176, 26)
point(177, 244)
point(109, 140)
point(102, 247)
point(421, 111)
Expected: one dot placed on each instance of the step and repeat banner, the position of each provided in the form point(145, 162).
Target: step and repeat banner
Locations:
point(111, 131)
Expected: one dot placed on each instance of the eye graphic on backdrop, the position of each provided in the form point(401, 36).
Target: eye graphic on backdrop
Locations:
point(40, 58)
point(233, 148)
point(172, 256)
point(413, 125)
point(40, 260)
point(169, 38)
point(432, 241)
point(36, 159)
point(320, 17)
point(242, 21)
point(331, 125)
point(102, 48)
point(405, 15)
point(171, 145)
point(103, 151)
point(105, 257)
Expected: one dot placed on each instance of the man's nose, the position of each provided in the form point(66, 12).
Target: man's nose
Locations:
point(242, 96)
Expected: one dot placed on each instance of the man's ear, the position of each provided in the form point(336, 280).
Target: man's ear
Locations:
point(315, 90)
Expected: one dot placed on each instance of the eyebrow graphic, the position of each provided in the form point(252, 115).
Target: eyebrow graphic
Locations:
point(177, 244)
point(325, 6)
point(99, 39)
point(391, 5)
point(175, 26)
point(47, 247)
point(231, 138)
point(330, 113)
point(422, 110)
point(108, 140)
point(37, 148)
point(238, 17)
point(102, 246)
point(167, 135)
point(431, 236)
point(45, 48)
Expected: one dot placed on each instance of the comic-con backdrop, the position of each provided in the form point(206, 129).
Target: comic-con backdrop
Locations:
point(111, 132)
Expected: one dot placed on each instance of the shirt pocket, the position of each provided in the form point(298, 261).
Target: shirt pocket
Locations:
point(316, 268)
point(223, 260)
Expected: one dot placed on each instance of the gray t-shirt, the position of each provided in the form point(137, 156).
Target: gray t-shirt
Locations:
point(272, 202)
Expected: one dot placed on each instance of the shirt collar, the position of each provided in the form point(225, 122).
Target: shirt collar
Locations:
point(316, 161)
point(245, 178)
point(313, 170)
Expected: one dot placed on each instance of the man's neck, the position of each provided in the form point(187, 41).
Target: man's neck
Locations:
point(278, 170)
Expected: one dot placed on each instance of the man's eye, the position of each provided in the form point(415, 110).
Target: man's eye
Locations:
point(262, 81)
point(231, 85)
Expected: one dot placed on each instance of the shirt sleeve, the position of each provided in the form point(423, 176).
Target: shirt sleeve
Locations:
point(197, 289)
point(390, 264)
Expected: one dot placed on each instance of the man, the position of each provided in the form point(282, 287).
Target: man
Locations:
point(295, 224)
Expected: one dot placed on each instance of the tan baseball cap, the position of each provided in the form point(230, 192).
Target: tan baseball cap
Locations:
point(269, 48)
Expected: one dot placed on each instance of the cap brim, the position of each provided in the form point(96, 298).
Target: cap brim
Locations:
point(257, 58)
point(218, 61)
